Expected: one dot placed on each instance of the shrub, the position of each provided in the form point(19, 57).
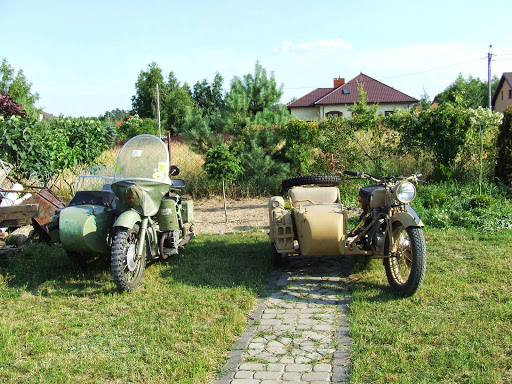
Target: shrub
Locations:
point(504, 161)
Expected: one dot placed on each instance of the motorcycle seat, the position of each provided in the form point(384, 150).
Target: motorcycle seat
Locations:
point(177, 184)
point(314, 195)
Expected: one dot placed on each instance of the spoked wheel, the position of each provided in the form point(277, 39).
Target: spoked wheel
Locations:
point(127, 268)
point(278, 258)
point(406, 267)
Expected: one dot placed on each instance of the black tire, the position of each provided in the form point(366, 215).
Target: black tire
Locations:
point(325, 180)
point(277, 258)
point(127, 269)
point(407, 265)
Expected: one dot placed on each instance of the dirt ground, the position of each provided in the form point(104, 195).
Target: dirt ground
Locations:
point(242, 215)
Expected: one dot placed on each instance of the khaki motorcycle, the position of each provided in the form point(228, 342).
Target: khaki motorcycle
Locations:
point(315, 224)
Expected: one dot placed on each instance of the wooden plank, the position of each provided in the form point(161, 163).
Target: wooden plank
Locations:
point(14, 215)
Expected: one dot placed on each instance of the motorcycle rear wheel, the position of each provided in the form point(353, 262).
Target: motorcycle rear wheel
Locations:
point(407, 265)
point(127, 269)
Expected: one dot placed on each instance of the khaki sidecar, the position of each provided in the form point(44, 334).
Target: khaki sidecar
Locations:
point(315, 224)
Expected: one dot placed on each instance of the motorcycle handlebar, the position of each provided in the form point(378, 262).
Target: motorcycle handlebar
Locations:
point(352, 173)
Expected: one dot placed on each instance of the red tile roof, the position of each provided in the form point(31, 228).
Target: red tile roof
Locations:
point(348, 93)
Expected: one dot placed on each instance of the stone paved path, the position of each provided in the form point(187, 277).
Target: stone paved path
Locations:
point(300, 332)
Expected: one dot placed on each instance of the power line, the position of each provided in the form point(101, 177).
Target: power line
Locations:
point(417, 73)
point(435, 69)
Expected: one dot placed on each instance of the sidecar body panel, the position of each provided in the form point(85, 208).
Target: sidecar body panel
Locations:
point(317, 222)
point(85, 228)
point(321, 229)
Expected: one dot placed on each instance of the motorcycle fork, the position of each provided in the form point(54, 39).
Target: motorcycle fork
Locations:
point(142, 236)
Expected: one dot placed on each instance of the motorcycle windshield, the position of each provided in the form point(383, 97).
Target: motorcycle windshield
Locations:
point(144, 157)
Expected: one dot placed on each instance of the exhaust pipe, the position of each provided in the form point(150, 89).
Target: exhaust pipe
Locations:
point(185, 240)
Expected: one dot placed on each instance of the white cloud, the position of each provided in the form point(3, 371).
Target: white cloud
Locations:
point(315, 46)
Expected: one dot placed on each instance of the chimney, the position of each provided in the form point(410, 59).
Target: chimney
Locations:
point(339, 81)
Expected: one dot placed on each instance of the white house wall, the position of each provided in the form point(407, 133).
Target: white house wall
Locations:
point(315, 113)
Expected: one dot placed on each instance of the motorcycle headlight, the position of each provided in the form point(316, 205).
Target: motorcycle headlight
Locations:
point(405, 192)
point(133, 196)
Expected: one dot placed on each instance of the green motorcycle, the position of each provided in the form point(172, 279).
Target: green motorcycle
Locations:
point(133, 214)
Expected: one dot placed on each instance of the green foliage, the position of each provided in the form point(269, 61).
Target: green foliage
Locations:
point(9, 108)
point(48, 148)
point(221, 163)
point(250, 95)
point(504, 156)
point(261, 155)
point(19, 88)
point(144, 101)
point(364, 117)
point(209, 97)
point(440, 130)
point(301, 139)
point(450, 204)
point(474, 93)
point(115, 115)
point(176, 100)
point(134, 126)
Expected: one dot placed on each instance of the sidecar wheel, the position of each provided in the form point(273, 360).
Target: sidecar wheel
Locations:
point(127, 269)
point(406, 267)
point(326, 180)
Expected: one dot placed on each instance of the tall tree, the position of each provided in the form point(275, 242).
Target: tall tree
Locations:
point(252, 94)
point(144, 101)
point(474, 92)
point(18, 87)
point(175, 104)
point(209, 97)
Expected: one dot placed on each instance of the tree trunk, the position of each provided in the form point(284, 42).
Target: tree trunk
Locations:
point(225, 208)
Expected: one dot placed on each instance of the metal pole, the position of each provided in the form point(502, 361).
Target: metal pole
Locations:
point(489, 57)
point(158, 111)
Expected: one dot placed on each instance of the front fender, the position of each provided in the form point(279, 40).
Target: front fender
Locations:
point(408, 219)
point(128, 219)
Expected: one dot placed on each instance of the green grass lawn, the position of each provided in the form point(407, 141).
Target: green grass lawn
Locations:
point(64, 323)
point(456, 329)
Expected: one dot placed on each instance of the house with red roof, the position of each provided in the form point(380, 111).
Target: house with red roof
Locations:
point(502, 98)
point(323, 102)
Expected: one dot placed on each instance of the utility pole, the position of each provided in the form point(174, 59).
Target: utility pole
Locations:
point(489, 58)
point(158, 111)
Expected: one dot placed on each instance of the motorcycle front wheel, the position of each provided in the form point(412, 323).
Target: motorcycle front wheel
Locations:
point(407, 264)
point(127, 268)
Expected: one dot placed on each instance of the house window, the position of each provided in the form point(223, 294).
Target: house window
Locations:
point(388, 113)
point(334, 114)
point(510, 94)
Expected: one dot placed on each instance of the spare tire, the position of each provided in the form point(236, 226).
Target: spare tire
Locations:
point(326, 180)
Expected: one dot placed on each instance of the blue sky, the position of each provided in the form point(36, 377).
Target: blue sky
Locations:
point(84, 57)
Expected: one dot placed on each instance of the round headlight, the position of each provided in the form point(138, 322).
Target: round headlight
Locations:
point(405, 192)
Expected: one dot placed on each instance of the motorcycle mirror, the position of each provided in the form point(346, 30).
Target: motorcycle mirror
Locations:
point(174, 171)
